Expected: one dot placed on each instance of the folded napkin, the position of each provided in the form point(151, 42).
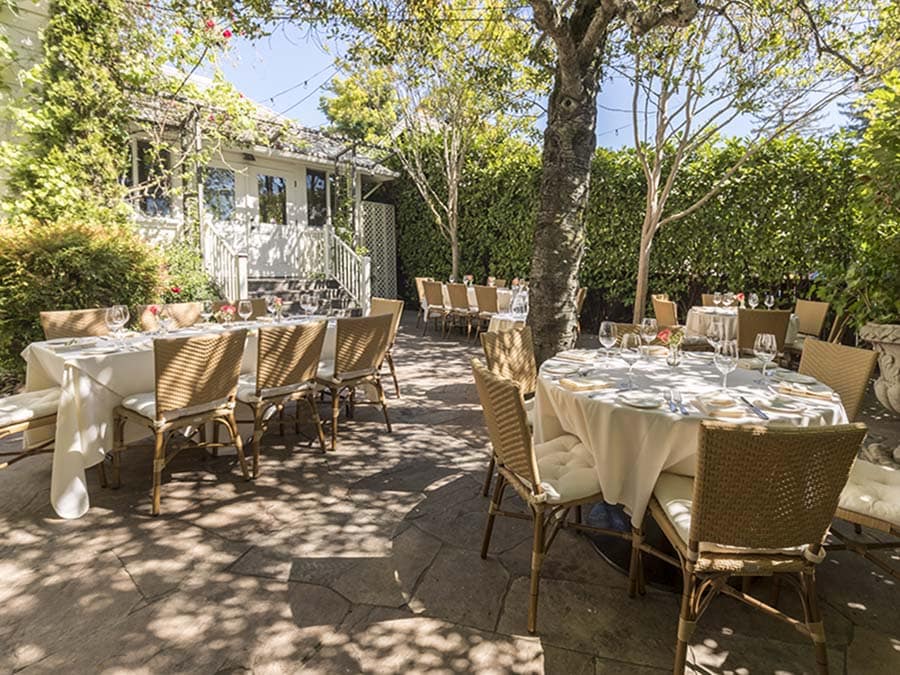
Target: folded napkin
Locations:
point(75, 347)
point(810, 391)
point(726, 411)
point(657, 350)
point(580, 356)
point(583, 384)
point(750, 364)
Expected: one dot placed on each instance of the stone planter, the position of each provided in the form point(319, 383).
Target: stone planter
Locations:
point(885, 339)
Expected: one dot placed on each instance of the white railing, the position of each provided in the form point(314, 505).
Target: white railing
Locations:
point(351, 270)
point(227, 267)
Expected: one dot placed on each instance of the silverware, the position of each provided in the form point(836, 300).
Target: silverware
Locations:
point(677, 398)
point(667, 395)
point(755, 409)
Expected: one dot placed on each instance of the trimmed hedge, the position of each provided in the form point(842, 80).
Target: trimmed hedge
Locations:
point(788, 215)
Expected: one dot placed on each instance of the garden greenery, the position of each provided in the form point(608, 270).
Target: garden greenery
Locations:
point(787, 218)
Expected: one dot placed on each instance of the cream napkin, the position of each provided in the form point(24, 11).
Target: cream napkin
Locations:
point(577, 356)
point(796, 389)
point(583, 384)
point(729, 412)
point(80, 345)
point(750, 364)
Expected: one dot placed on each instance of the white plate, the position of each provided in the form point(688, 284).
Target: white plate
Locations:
point(641, 399)
point(791, 376)
point(107, 349)
point(779, 404)
point(558, 370)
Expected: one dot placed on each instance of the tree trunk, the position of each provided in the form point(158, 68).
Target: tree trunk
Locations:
point(454, 249)
point(569, 143)
point(643, 271)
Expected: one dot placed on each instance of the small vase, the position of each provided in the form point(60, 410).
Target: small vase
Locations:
point(673, 357)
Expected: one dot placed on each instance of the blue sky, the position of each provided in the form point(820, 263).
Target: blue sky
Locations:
point(287, 70)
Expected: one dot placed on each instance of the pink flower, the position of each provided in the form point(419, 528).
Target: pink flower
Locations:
point(739, 297)
point(664, 335)
point(226, 33)
point(154, 310)
point(175, 289)
point(210, 23)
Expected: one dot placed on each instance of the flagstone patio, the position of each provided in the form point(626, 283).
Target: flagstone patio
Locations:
point(366, 560)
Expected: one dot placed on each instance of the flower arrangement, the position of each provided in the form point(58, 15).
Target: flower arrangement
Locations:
point(225, 314)
point(491, 281)
point(740, 299)
point(154, 310)
point(468, 279)
point(670, 338)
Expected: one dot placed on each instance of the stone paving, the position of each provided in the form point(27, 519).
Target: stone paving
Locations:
point(365, 560)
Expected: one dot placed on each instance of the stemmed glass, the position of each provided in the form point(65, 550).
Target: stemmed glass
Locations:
point(308, 303)
point(766, 349)
point(715, 333)
point(630, 351)
point(165, 319)
point(116, 318)
point(245, 310)
point(717, 298)
point(728, 299)
point(648, 332)
point(206, 311)
point(769, 301)
point(753, 300)
point(726, 358)
point(607, 336)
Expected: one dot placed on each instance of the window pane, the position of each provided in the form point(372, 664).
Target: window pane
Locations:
point(153, 179)
point(272, 199)
point(316, 198)
point(218, 193)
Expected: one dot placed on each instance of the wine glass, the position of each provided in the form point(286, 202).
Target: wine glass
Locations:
point(607, 336)
point(648, 332)
point(726, 358)
point(766, 349)
point(715, 333)
point(727, 299)
point(116, 318)
point(753, 300)
point(630, 351)
point(308, 303)
point(769, 302)
point(245, 310)
point(164, 318)
point(717, 298)
point(206, 311)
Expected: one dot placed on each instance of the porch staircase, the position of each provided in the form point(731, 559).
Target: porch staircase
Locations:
point(330, 293)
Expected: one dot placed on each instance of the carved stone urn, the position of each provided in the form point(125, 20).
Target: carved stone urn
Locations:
point(885, 339)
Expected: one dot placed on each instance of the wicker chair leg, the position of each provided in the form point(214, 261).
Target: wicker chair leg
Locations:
point(238, 444)
point(390, 362)
point(281, 420)
point(814, 619)
point(102, 472)
point(635, 570)
point(686, 620)
point(382, 400)
point(258, 412)
point(215, 440)
point(159, 462)
point(118, 446)
point(297, 417)
point(487, 479)
point(316, 420)
point(335, 413)
point(492, 508)
point(537, 561)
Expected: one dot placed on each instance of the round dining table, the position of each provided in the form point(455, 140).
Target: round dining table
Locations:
point(636, 434)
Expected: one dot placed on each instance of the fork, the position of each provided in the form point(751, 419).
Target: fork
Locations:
point(677, 398)
point(667, 395)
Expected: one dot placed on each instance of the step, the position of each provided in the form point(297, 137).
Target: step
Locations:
point(266, 285)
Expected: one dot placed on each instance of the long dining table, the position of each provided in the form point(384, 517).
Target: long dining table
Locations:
point(698, 321)
point(94, 375)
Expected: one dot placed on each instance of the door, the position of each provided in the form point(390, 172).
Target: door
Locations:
point(272, 236)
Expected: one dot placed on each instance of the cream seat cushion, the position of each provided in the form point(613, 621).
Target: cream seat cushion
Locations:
point(246, 391)
point(675, 494)
point(567, 469)
point(529, 412)
point(326, 373)
point(31, 405)
point(145, 404)
point(874, 491)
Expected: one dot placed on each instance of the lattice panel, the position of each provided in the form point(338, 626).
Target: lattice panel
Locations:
point(380, 239)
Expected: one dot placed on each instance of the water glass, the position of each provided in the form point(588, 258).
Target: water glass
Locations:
point(649, 330)
point(308, 303)
point(769, 302)
point(753, 300)
point(728, 299)
point(715, 333)
point(206, 310)
point(717, 298)
point(245, 310)
point(726, 359)
point(765, 348)
point(630, 352)
point(607, 336)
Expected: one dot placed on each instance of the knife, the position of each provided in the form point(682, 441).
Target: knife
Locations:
point(755, 409)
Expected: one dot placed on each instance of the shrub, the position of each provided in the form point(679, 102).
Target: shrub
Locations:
point(183, 269)
point(67, 265)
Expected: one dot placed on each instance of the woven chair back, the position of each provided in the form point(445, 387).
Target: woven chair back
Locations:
point(500, 283)
point(458, 295)
point(434, 293)
point(659, 296)
point(392, 307)
point(504, 415)
point(288, 355)
point(751, 322)
point(510, 354)
point(768, 488)
point(707, 299)
point(420, 287)
point(361, 344)
point(74, 323)
point(847, 370)
point(183, 314)
point(665, 311)
point(486, 298)
point(580, 295)
point(811, 316)
point(197, 372)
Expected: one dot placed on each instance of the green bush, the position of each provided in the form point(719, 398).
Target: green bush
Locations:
point(183, 270)
point(65, 265)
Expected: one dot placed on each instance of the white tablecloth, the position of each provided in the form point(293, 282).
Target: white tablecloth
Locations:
point(504, 297)
point(633, 446)
point(92, 386)
point(699, 318)
point(503, 322)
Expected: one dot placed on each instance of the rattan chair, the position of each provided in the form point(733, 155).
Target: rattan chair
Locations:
point(434, 305)
point(510, 354)
point(488, 305)
point(24, 412)
point(395, 309)
point(183, 314)
point(660, 296)
point(751, 322)
point(460, 310)
point(847, 370)
point(760, 504)
point(500, 283)
point(665, 311)
point(811, 317)
point(552, 478)
point(196, 384)
point(360, 347)
point(287, 361)
point(871, 499)
point(72, 323)
point(707, 300)
point(580, 295)
point(420, 294)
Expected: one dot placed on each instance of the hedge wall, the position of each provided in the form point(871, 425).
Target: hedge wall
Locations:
point(788, 215)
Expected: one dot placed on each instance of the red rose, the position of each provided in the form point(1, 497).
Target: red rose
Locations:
point(664, 335)
point(210, 23)
point(175, 289)
point(154, 310)
point(226, 33)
